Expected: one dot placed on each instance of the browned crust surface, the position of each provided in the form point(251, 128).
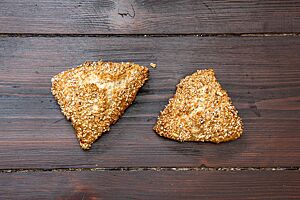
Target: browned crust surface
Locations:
point(200, 111)
point(95, 94)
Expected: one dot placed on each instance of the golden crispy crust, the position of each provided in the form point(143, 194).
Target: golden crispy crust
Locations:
point(200, 111)
point(95, 94)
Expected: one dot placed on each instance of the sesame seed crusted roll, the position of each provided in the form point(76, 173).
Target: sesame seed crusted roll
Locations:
point(200, 111)
point(94, 95)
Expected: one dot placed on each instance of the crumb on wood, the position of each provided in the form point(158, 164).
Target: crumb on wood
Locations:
point(153, 65)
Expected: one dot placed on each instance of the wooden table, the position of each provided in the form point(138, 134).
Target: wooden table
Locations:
point(254, 47)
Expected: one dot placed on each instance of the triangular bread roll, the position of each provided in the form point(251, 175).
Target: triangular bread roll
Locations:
point(200, 111)
point(95, 94)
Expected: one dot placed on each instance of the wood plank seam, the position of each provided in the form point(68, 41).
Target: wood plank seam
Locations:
point(152, 35)
point(153, 169)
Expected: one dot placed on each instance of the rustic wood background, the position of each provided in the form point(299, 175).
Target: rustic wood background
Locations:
point(254, 47)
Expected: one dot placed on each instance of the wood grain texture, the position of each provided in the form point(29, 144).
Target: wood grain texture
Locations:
point(148, 17)
point(151, 185)
point(261, 74)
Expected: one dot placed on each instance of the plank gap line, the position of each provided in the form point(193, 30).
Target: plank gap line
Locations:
point(203, 168)
point(153, 35)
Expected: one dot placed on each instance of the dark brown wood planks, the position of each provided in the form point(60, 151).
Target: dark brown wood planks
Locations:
point(261, 74)
point(151, 185)
point(148, 17)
